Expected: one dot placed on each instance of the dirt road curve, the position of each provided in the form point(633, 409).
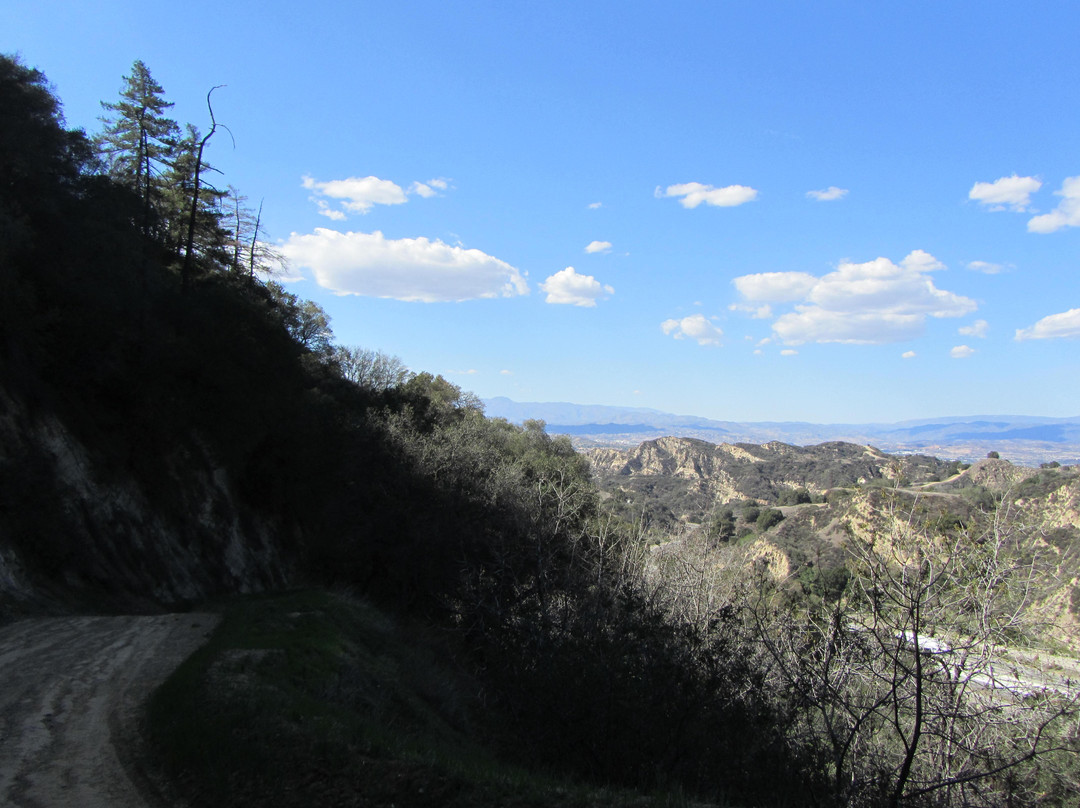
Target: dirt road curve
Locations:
point(70, 693)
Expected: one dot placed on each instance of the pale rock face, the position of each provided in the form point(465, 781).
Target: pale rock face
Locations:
point(770, 557)
point(997, 474)
point(1059, 510)
point(738, 452)
point(670, 457)
point(718, 468)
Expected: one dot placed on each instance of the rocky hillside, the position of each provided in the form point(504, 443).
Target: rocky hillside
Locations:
point(695, 475)
point(995, 474)
point(739, 503)
point(80, 529)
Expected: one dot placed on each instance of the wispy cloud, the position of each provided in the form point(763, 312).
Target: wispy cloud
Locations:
point(333, 214)
point(961, 352)
point(567, 287)
point(985, 267)
point(829, 194)
point(430, 188)
point(867, 303)
point(908, 355)
point(411, 269)
point(979, 328)
point(692, 194)
point(695, 327)
point(598, 247)
point(1053, 326)
point(776, 287)
point(595, 205)
point(1066, 214)
point(1012, 193)
point(762, 312)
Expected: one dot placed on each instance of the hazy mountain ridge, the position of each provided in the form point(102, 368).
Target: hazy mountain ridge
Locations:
point(1029, 440)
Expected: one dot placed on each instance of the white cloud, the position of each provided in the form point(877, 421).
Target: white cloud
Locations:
point(882, 286)
point(763, 312)
point(961, 352)
point(330, 213)
point(422, 189)
point(1066, 214)
point(869, 303)
point(694, 193)
point(595, 205)
point(695, 327)
point(569, 288)
point(1054, 326)
point(789, 352)
point(828, 194)
point(815, 324)
point(430, 188)
point(979, 328)
point(1012, 192)
point(506, 373)
point(358, 194)
point(908, 355)
point(598, 247)
point(413, 269)
point(775, 287)
point(921, 261)
point(985, 267)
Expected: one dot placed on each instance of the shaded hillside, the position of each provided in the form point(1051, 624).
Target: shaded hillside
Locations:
point(173, 427)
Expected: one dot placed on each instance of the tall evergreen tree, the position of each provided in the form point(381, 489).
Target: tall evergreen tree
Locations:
point(139, 140)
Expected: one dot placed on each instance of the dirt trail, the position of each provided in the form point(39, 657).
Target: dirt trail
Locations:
point(70, 693)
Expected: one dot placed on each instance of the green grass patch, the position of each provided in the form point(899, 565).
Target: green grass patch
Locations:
point(310, 698)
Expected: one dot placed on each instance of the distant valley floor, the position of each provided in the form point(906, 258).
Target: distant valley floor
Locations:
point(1026, 440)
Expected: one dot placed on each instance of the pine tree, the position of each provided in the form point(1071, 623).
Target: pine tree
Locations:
point(138, 140)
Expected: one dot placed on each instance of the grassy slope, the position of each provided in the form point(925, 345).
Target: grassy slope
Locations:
point(309, 698)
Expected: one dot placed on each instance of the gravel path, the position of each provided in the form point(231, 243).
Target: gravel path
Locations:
point(71, 689)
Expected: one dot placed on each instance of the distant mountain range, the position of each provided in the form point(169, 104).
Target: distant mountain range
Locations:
point(1028, 440)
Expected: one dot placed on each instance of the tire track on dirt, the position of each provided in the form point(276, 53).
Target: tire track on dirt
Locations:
point(71, 692)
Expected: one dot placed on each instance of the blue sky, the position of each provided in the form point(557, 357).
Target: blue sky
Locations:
point(829, 211)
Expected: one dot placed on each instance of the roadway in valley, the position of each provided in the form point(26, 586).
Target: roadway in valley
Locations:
point(71, 694)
